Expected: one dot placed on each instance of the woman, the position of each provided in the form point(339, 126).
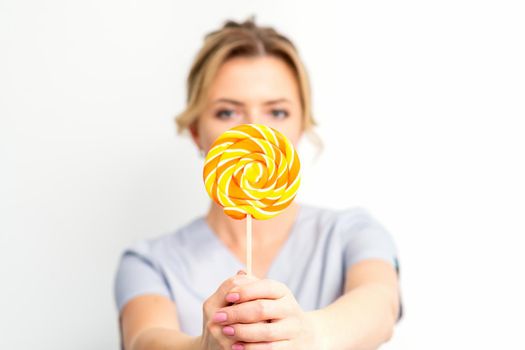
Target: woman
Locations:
point(322, 279)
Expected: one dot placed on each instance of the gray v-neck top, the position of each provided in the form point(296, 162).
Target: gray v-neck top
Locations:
point(188, 266)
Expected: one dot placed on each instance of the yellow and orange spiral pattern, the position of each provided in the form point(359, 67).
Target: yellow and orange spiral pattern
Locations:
point(252, 169)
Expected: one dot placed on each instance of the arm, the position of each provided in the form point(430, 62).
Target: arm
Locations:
point(364, 317)
point(150, 322)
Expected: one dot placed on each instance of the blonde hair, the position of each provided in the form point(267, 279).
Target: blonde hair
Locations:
point(241, 40)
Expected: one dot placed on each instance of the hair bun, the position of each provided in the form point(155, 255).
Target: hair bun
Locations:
point(248, 23)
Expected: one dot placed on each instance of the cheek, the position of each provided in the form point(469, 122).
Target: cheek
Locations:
point(291, 132)
point(206, 135)
point(209, 132)
point(209, 140)
point(295, 138)
point(294, 132)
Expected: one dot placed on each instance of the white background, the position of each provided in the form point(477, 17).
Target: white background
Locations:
point(420, 103)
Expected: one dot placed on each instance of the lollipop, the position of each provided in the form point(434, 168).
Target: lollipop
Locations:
point(252, 170)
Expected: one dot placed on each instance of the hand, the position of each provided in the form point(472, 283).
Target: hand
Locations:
point(265, 315)
point(212, 336)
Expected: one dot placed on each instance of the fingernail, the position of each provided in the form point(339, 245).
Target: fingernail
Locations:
point(241, 272)
point(232, 297)
point(228, 330)
point(237, 347)
point(220, 317)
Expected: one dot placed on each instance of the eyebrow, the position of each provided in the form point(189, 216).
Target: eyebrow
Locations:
point(239, 103)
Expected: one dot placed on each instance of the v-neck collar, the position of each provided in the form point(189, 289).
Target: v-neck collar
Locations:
point(237, 264)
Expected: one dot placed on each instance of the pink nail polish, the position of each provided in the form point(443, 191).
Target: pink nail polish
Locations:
point(220, 317)
point(232, 297)
point(228, 330)
point(237, 347)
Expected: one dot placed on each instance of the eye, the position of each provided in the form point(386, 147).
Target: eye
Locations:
point(224, 114)
point(279, 113)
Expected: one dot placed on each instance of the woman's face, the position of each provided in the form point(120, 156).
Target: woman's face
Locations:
point(260, 90)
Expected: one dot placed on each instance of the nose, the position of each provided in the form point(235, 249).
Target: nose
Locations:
point(253, 116)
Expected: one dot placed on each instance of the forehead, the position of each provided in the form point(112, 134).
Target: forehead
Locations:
point(259, 78)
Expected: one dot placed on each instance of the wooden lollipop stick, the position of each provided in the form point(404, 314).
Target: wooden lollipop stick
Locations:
point(249, 244)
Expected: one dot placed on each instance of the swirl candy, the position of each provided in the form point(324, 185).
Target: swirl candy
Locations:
point(252, 169)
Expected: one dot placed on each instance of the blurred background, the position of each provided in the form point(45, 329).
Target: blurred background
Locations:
point(421, 107)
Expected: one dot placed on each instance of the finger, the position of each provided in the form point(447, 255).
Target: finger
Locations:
point(235, 281)
point(257, 289)
point(276, 345)
point(217, 337)
point(253, 311)
point(230, 284)
point(261, 331)
point(218, 299)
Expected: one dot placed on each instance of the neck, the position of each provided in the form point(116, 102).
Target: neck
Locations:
point(265, 232)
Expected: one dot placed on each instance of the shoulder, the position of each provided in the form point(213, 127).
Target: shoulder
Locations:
point(355, 230)
point(167, 246)
point(150, 266)
point(335, 220)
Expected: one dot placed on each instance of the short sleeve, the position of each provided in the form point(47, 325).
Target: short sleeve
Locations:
point(365, 238)
point(137, 275)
